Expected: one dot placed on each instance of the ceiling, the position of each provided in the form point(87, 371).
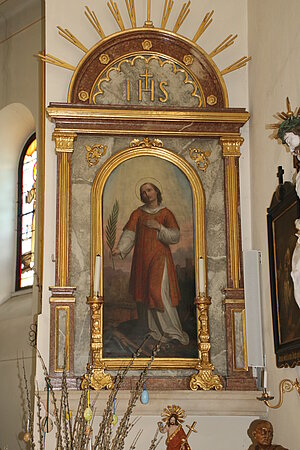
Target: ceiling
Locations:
point(16, 15)
point(10, 7)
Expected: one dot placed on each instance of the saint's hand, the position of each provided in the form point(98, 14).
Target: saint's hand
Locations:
point(116, 251)
point(152, 223)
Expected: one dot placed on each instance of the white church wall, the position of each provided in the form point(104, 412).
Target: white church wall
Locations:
point(274, 41)
point(16, 125)
point(20, 39)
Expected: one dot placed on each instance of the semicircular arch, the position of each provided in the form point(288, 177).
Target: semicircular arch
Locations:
point(187, 55)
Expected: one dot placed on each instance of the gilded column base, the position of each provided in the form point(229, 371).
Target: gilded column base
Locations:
point(97, 380)
point(206, 380)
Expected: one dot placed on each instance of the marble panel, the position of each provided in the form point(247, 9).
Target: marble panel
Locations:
point(149, 81)
point(213, 184)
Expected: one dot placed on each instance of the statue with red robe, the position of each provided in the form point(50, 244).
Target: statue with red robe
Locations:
point(177, 439)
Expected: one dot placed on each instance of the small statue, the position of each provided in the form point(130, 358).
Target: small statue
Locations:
point(289, 134)
point(177, 439)
point(261, 433)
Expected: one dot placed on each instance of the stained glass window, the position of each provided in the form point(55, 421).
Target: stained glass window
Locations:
point(26, 214)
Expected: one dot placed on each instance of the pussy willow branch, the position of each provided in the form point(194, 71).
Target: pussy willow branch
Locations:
point(39, 417)
point(122, 431)
point(29, 409)
point(102, 439)
point(53, 399)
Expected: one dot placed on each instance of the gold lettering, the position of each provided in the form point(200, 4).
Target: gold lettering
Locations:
point(161, 86)
point(146, 89)
point(128, 91)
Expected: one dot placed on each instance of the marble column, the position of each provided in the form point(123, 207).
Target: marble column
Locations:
point(62, 301)
point(239, 376)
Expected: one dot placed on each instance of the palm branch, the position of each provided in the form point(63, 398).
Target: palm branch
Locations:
point(111, 228)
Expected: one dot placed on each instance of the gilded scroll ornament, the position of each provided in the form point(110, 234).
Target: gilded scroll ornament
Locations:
point(83, 95)
point(200, 157)
point(94, 153)
point(104, 58)
point(147, 44)
point(188, 60)
point(211, 100)
point(206, 381)
point(146, 143)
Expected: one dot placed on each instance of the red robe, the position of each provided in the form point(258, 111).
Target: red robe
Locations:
point(149, 258)
point(174, 441)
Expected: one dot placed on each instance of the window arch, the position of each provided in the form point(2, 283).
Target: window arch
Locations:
point(27, 173)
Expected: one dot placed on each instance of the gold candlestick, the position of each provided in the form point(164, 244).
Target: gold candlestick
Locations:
point(285, 385)
point(98, 379)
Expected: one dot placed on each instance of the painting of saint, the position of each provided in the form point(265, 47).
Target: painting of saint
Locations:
point(153, 276)
point(151, 229)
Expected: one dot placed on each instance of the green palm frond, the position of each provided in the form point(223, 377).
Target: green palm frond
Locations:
point(111, 227)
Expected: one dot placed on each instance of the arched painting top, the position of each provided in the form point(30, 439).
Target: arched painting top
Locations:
point(148, 67)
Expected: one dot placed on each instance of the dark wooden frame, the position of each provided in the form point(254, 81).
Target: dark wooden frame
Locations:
point(283, 211)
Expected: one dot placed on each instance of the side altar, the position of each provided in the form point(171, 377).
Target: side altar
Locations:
point(148, 107)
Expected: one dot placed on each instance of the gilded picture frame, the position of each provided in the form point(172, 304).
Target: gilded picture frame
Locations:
point(147, 154)
point(283, 212)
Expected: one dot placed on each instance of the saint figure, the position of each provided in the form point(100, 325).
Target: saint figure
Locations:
point(150, 230)
point(261, 434)
point(289, 134)
point(177, 438)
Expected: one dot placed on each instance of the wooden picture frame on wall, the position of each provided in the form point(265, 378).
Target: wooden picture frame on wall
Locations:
point(284, 210)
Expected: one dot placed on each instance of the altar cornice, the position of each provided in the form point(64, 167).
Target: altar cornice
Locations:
point(200, 403)
point(137, 120)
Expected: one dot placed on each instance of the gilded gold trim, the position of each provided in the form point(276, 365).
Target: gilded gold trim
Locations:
point(204, 378)
point(160, 32)
point(200, 157)
point(97, 226)
point(83, 96)
point(211, 100)
point(147, 44)
point(231, 146)
point(56, 350)
point(62, 300)
point(105, 74)
point(64, 141)
point(104, 58)
point(95, 153)
point(41, 179)
point(132, 114)
point(234, 301)
point(63, 220)
point(188, 60)
point(93, 19)
point(149, 132)
point(231, 150)
point(166, 13)
point(245, 368)
point(245, 340)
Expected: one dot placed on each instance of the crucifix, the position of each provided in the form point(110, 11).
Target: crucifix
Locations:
point(191, 429)
point(280, 174)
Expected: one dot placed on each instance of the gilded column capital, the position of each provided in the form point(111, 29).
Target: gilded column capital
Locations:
point(231, 145)
point(64, 141)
